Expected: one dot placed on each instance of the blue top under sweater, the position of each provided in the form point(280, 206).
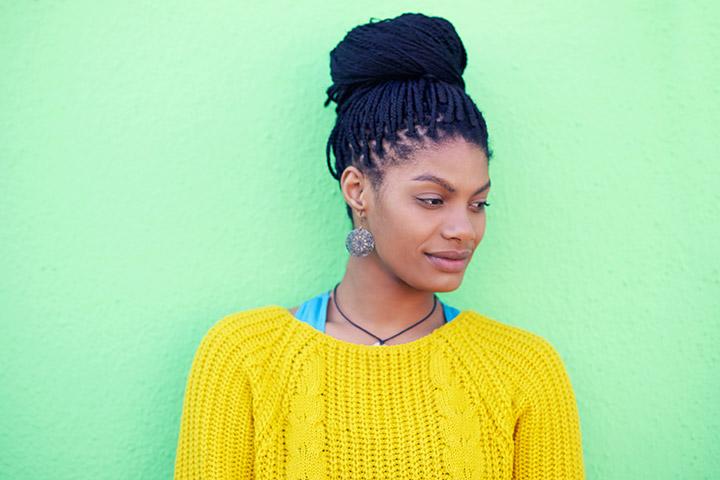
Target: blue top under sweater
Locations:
point(314, 311)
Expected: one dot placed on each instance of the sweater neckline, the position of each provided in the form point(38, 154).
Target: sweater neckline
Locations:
point(336, 343)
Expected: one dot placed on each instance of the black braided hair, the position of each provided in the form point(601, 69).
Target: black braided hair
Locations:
point(392, 78)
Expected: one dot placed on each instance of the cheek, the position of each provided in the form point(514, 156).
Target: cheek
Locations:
point(481, 227)
point(403, 238)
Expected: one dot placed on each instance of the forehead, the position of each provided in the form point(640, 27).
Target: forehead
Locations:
point(462, 163)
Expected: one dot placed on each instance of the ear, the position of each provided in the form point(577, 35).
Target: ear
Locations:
point(355, 187)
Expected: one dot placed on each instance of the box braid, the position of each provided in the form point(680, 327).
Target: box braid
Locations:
point(397, 81)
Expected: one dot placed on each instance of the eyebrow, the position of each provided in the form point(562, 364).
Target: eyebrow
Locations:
point(429, 177)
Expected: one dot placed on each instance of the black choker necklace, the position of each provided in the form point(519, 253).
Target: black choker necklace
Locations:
point(381, 341)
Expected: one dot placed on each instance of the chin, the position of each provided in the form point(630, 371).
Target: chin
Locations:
point(450, 283)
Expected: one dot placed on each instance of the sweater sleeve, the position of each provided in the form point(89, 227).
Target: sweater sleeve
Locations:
point(215, 441)
point(547, 431)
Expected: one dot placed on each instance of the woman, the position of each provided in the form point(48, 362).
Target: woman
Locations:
point(375, 377)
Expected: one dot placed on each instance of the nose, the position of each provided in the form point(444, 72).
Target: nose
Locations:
point(461, 225)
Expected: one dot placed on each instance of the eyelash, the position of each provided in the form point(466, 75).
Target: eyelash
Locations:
point(425, 200)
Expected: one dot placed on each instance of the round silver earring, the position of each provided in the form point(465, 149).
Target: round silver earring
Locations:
point(359, 242)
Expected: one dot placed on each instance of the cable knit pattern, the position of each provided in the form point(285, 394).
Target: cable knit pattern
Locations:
point(305, 428)
point(269, 397)
point(461, 431)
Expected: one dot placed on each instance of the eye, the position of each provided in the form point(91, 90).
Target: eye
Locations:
point(481, 205)
point(427, 201)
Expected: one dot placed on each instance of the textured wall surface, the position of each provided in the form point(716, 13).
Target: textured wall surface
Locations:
point(162, 165)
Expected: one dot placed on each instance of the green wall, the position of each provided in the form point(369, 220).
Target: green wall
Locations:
point(162, 165)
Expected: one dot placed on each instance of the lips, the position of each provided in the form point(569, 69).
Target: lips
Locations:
point(444, 262)
point(451, 254)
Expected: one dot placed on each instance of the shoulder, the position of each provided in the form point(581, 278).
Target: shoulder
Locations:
point(241, 333)
point(525, 349)
point(502, 332)
point(528, 363)
point(246, 324)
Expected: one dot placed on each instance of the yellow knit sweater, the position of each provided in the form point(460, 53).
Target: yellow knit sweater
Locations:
point(270, 397)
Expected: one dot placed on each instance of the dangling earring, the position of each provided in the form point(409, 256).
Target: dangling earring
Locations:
point(360, 242)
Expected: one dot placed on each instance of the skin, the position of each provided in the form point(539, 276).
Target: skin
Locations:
point(392, 288)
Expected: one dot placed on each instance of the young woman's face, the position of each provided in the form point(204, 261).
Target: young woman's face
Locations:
point(430, 208)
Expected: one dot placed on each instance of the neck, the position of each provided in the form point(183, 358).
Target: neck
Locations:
point(374, 297)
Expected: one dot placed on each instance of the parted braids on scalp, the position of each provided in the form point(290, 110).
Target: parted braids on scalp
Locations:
point(397, 82)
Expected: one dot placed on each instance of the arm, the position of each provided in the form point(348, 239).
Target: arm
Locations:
point(547, 431)
point(216, 428)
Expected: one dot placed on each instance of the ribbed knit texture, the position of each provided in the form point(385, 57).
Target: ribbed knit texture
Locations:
point(270, 397)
